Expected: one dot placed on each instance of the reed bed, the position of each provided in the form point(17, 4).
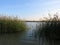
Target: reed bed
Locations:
point(8, 24)
point(50, 28)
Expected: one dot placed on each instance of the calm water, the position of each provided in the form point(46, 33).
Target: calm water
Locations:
point(25, 38)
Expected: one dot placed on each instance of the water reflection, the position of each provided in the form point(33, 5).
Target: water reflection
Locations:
point(27, 37)
point(9, 39)
point(24, 38)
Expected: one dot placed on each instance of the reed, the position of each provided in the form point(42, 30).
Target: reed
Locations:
point(8, 24)
point(50, 28)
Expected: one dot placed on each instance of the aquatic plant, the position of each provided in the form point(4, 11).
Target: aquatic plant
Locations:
point(50, 28)
point(9, 24)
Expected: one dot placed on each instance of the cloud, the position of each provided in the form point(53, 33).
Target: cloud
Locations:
point(53, 2)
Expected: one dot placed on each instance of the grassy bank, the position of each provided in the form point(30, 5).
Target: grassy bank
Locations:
point(8, 24)
point(50, 28)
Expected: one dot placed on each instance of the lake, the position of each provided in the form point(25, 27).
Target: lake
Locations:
point(26, 38)
point(20, 38)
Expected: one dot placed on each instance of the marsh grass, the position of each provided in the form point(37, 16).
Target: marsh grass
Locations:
point(8, 24)
point(50, 28)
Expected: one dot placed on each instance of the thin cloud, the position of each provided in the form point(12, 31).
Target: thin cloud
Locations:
point(51, 2)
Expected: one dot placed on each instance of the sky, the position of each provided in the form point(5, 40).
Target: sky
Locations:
point(29, 9)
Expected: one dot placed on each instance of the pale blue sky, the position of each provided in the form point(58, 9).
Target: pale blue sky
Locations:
point(29, 9)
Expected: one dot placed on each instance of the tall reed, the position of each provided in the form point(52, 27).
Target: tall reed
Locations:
point(8, 24)
point(50, 28)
